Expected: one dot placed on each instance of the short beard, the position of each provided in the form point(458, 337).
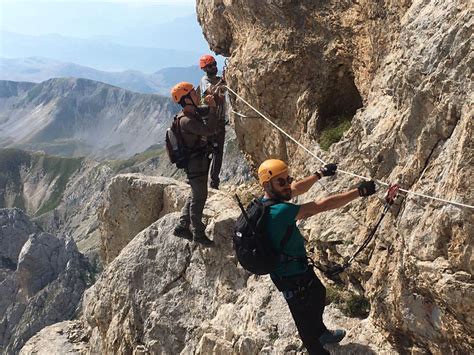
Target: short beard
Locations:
point(279, 195)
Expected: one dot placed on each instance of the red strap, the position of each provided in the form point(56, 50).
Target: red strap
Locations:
point(392, 193)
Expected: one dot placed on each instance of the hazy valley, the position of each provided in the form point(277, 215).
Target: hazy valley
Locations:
point(37, 69)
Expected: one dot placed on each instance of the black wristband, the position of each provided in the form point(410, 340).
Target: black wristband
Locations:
point(318, 175)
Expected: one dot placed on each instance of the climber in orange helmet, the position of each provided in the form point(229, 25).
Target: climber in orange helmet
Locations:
point(211, 83)
point(293, 276)
point(195, 133)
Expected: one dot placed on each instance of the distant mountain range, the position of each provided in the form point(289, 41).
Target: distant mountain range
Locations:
point(37, 69)
point(81, 117)
point(97, 53)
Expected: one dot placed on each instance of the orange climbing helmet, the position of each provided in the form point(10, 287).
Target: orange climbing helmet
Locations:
point(180, 90)
point(206, 60)
point(270, 168)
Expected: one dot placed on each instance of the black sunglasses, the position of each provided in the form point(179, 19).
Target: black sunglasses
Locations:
point(282, 182)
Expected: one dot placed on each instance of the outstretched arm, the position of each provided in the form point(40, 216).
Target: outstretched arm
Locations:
point(311, 208)
point(301, 186)
point(366, 188)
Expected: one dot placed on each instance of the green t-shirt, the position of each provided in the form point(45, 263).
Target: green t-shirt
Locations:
point(279, 218)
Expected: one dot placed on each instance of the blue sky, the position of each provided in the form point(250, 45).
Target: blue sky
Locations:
point(136, 25)
point(87, 18)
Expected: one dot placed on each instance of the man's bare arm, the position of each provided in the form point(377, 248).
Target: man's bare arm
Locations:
point(311, 208)
point(301, 186)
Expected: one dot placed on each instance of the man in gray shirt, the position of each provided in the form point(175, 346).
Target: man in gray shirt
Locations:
point(195, 133)
point(211, 83)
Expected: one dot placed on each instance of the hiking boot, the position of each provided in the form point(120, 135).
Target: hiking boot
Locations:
point(332, 336)
point(203, 239)
point(214, 185)
point(183, 232)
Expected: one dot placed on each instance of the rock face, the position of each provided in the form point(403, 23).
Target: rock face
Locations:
point(13, 235)
point(132, 203)
point(402, 69)
point(163, 294)
point(42, 279)
point(61, 338)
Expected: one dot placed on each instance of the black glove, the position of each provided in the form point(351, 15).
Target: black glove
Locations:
point(326, 170)
point(366, 188)
point(329, 169)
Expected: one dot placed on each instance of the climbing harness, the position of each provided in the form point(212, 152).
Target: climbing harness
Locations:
point(458, 204)
point(390, 197)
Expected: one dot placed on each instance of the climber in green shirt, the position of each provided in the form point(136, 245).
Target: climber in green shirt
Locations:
point(303, 291)
point(279, 218)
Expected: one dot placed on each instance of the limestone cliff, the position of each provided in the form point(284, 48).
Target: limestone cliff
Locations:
point(401, 72)
point(127, 210)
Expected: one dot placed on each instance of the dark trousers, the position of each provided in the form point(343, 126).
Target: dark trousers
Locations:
point(306, 298)
point(217, 155)
point(191, 214)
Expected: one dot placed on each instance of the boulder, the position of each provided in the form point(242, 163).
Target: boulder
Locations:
point(132, 203)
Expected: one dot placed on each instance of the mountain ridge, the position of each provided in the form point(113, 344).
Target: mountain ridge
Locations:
point(39, 69)
point(81, 117)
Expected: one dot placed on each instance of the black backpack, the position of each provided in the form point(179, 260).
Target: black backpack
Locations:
point(251, 242)
point(175, 147)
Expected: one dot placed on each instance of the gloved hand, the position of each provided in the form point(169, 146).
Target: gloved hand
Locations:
point(326, 170)
point(366, 188)
point(329, 169)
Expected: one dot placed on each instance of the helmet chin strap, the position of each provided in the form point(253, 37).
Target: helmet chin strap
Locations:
point(183, 99)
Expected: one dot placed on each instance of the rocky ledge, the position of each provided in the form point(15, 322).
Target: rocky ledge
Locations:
point(164, 294)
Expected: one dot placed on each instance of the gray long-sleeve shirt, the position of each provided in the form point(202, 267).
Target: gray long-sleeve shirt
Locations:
point(195, 131)
point(205, 84)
